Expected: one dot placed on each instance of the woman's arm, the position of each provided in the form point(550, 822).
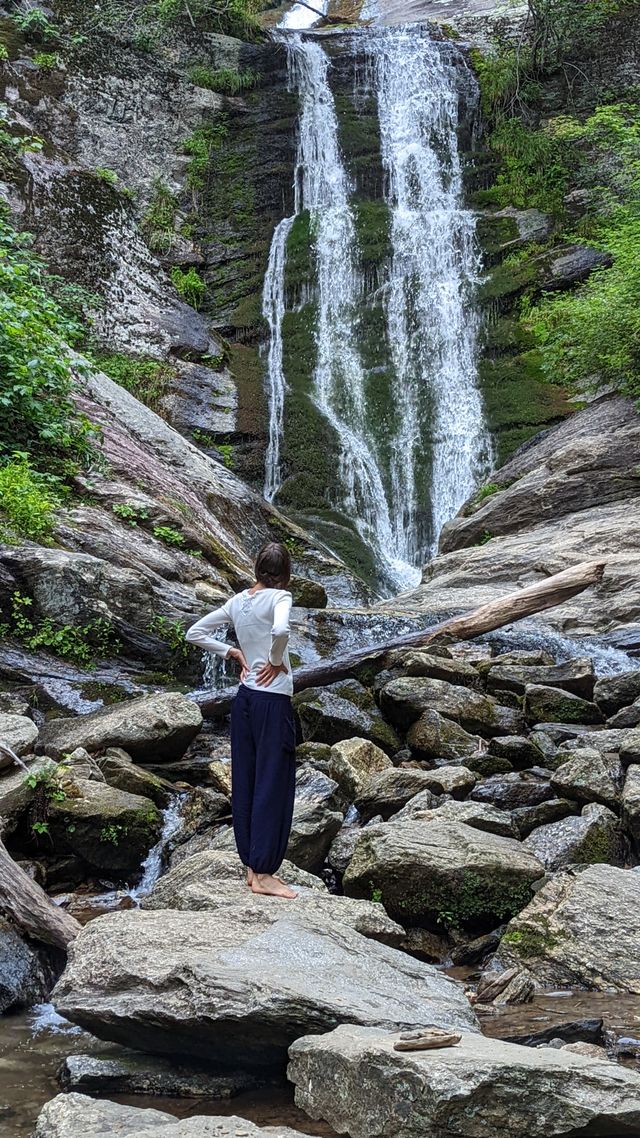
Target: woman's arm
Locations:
point(280, 629)
point(200, 632)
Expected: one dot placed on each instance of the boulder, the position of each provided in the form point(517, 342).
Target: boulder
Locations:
point(355, 1080)
point(552, 705)
point(308, 594)
point(454, 780)
point(388, 792)
point(343, 845)
point(512, 791)
point(589, 776)
point(626, 717)
point(318, 814)
point(27, 974)
point(444, 872)
point(593, 836)
point(110, 829)
point(152, 728)
point(480, 815)
point(342, 711)
point(190, 984)
point(576, 676)
point(203, 882)
point(528, 818)
point(582, 929)
point(118, 1071)
point(434, 737)
point(404, 700)
point(119, 771)
point(631, 804)
point(486, 764)
point(519, 751)
point(630, 747)
point(70, 1115)
point(16, 792)
point(353, 762)
point(436, 667)
point(17, 732)
point(611, 693)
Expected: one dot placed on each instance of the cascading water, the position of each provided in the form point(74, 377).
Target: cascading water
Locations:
point(429, 279)
point(434, 265)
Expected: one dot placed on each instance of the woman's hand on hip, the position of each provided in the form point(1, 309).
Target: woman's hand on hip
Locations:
point(238, 655)
point(268, 672)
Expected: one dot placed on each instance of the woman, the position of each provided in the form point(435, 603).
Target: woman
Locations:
point(262, 725)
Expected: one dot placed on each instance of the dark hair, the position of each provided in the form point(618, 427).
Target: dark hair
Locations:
point(273, 565)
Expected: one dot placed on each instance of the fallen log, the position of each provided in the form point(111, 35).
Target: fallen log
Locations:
point(515, 606)
point(29, 909)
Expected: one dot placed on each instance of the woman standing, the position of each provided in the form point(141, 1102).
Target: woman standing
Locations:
point(262, 725)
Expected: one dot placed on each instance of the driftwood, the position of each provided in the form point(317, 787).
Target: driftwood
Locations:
point(29, 909)
point(515, 606)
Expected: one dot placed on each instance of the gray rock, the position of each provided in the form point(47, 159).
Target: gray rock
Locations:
point(604, 740)
point(404, 701)
point(122, 1072)
point(16, 793)
point(26, 974)
point(69, 1115)
point(582, 929)
point(590, 776)
point(631, 804)
point(626, 717)
point(513, 791)
point(353, 762)
point(576, 676)
point(591, 837)
point(442, 871)
point(486, 764)
point(630, 747)
point(203, 882)
point(528, 818)
point(110, 829)
point(151, 728)
point(612, 693)
point(480, 815)
point(119, 770)
point(546, 704)
point(454, 780)
point(318, 814)
point(519, 751)
point(355, 1080)
point(341, 711)
point(189, 984)
point(17, 732)
point(434, 737)
point(456, 671)
point(388, 792)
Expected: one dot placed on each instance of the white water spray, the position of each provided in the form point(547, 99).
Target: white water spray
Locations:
point(273, 309)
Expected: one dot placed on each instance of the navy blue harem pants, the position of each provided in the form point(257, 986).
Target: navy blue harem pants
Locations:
point(263, 776)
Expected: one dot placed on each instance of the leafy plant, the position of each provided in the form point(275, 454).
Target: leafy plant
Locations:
point(40, 827)
point(200, 145)
point(189, 284)
point(112, 833)
point(169, 535)
point(28, 499)
point(35, 25)
point(132, 515)
point(107, 175)
point(4, 53)
point(224, 80)
point(146, 379)
point(226, 454)
point(158, 223)
point(47, 60)
point(79, 643)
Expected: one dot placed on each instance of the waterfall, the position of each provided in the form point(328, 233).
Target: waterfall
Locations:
point(273, 308)
point(430, 317)
point(380, 484)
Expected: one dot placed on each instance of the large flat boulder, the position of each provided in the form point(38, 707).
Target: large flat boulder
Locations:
point(581, 930)
point(191, 984)
point(481, 1088)
point(68, 1116)
point(444, 872)
point(404, 700)
point(152, 728)
point(575, 676)
point(544, 704)
point(434, 737)
point(203, 882)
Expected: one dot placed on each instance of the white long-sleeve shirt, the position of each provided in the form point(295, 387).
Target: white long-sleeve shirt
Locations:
point(261, 622)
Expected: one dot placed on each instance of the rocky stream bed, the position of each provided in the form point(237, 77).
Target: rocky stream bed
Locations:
point(465, 848)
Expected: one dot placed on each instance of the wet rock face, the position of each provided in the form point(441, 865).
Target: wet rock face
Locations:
point(143, 978)
point(582, 929)
point(26, 975)
point(445, 872)
point(353, 1078)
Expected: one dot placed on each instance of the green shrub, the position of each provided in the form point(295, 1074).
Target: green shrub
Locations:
point(78, 643)
point(158, 223)
point(37, 412)
point(200, 145)
point(535, 167)
point(144, 378)
point(35, 25)
point(28, 499)
point(189, 284)
point(47, 60)
point(224, 80)
point(107, 175)
point(132, 515)
point(4, 53)
point(169, 535)
point(235, 17)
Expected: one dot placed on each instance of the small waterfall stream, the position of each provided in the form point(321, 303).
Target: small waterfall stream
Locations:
point(429, 280)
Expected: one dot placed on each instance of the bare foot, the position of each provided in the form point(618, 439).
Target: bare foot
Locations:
point(270, 886)
point(250, 876)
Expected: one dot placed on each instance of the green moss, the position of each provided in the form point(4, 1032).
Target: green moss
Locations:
point(528, 942)
point(158, 223)
point(474, 901)
point(147, 379)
